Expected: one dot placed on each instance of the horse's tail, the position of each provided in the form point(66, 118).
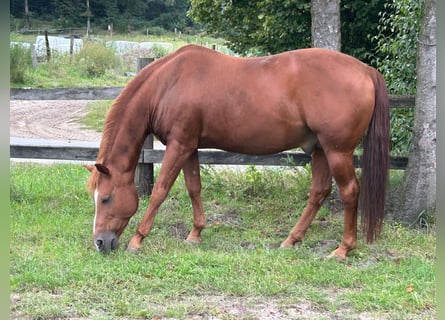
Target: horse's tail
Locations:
point(375, 162)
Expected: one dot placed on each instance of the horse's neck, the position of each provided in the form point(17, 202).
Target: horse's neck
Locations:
point(126, 137)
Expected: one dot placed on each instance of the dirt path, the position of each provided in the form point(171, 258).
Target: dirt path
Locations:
point(49, 119)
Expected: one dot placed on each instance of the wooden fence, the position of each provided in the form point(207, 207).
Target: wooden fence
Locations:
point(109, 93)
point(87, 151)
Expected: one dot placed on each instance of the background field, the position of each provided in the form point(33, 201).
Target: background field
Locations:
point(236, 273)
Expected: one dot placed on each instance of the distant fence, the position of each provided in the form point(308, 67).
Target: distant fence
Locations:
point(87, 151)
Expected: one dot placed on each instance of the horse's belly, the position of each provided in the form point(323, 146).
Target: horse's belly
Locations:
point(259, 142)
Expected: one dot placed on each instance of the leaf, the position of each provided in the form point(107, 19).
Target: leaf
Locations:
point(409, 288)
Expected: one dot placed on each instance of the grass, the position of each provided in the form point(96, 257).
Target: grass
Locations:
point(95, 116)
point(64, 70)
point(56, 273)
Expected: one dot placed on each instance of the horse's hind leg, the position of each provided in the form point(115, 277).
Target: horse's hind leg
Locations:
point(174, 158)
point(342, 168)
point(320, 189)
point(193, 184)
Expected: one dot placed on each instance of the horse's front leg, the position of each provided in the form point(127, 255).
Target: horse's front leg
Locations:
point(174, 158)
point(193, 184)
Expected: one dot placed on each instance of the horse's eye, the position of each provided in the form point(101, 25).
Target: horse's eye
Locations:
point(106, 199)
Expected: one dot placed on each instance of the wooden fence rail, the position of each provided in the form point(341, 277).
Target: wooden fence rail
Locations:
point(109, 93)
point(87, 151)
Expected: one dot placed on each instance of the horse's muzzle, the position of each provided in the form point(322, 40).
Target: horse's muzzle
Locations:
point(106, 241)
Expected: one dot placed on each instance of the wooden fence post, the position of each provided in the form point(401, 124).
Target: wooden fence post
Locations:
point(71, 45)
point(48, 49)
point(144, 176)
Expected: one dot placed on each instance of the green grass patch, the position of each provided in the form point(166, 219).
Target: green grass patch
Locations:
point(56, 273)
point(96, 113)
point(94, 66)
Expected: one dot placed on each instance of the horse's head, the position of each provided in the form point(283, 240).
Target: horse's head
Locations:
point(115, 202)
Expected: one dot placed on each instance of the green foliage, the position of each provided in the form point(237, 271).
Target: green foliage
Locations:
point(401, 120)
point(19, 63)
point(94, 59)
point(64, 70)
point(125, 15)
point(171, 15)
point(154, 31)
point(396, 58)
point(397, 44)
point(160, 51)
point(359, 21)
point(266, 26)
point(256, 27)
point(68, 13)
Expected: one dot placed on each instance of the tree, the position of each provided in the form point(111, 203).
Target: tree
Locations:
point(28, 23)
point(417, 194)
point(68, 12)
point(111, 11)
point(326, 24)
point(256, 27)
point(272, 26)
point(88, 15)
point(133, 9)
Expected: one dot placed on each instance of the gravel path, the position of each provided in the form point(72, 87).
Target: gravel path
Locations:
point(49, 119)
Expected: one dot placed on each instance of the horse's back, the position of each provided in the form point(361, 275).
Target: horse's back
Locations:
point(280, 101)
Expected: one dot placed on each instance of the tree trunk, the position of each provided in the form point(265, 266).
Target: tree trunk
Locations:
point(326, 24)
point(88, 13)
point(415, 200)
point(27, 22)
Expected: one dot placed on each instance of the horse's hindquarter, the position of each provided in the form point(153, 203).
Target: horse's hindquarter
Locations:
point(337, 94)
point(263, 105)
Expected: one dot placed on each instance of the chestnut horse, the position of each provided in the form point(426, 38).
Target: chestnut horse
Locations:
point(320, 100)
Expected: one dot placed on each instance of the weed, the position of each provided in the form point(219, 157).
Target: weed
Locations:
point(20, 63)
point(94, 59)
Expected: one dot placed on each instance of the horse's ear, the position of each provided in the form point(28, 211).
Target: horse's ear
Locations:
point(102, 169)
point(88, 167)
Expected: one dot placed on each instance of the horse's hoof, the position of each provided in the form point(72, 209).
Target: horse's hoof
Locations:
point(286, 245)
point(191, 242)
point(133, 250)
point(335, 255)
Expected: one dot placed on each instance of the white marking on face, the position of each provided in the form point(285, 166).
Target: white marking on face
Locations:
point(96, 198)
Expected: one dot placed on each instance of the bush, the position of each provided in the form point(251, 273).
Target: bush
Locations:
point(160, 51)
point(95, 59)
point(20, 62)
point(155, 31)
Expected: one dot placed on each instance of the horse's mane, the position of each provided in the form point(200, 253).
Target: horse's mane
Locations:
point(118, 107)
